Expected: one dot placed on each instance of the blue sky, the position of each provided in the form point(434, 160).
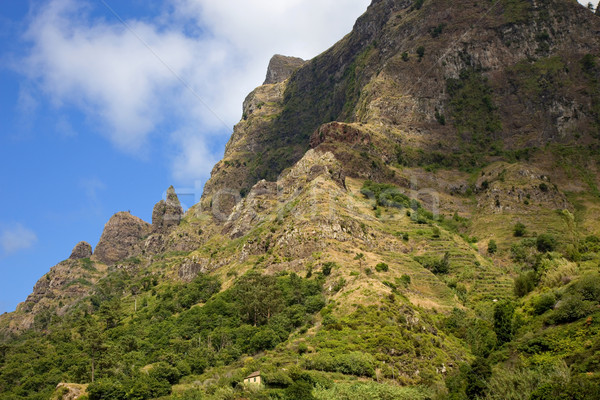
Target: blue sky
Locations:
point(104, 104)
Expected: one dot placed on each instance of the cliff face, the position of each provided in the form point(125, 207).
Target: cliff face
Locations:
point(445, 83)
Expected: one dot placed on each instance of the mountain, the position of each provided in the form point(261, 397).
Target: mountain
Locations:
point(412, 214)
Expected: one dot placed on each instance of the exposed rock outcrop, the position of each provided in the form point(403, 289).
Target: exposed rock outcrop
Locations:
point(121, 237)
point(167, 213)
point(281, 68)
point(81, 250)
point(70, 391)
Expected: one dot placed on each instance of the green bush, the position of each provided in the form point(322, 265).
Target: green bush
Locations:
point(326, 269)
point(477, 378)
point(524, 283)
point(590, 244)
point(405, 279)
point(544, 303)
point(166, 372)
point(570, 308)
point(546, 243)
point(354, 363)
point(106, 389)
point(382, 267)
point(588, 286)
point(370, 391)
point(519, 230)
point(299, 390)
point(579, 388)
point(503, 321)
point(441, 266)
point(492, 247)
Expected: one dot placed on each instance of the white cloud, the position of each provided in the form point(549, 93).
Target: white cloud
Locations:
point(195, 158)
point(188, 70)
point(16, 237)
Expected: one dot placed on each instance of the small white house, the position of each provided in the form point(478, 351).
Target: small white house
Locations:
point(253, 379)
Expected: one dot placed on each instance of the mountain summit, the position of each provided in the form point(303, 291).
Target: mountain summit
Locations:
point(413, 214)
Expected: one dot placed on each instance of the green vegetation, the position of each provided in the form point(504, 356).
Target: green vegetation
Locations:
point(516, 11)
point(492, 247)
point(519, 230)
point(382, 267)
point(176, 338)
point(472, 107)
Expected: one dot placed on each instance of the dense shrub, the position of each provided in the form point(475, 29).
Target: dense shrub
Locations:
point(354, 363)
point(524, 283)
point(588, 286)
point(546, 242)
point(571, 308)
point(387, 195)
point(519, 230)
point(106, 389)
point(503, 321)
point(326, 269)
point(591, 244)
point(492, 247)
point(299, 390)
point(435, 265)
point(166, 372)
point(579, 388)
point(477, 378)
point(544, 303)
point(370, 391)
point(382, 267)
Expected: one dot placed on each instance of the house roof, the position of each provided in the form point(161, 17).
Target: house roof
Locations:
point(252, 375)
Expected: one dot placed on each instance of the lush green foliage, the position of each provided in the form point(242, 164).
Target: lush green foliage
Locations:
point(168, 333)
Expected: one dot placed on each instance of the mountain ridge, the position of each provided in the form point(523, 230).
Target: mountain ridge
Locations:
point(411, 214)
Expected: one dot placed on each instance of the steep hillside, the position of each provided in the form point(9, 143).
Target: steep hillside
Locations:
point(412, 214)
point(440, 83)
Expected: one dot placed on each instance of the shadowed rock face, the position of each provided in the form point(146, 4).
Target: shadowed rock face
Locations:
point(281, 68)
point(167, 214)
point(81, 250)
point(121, 237)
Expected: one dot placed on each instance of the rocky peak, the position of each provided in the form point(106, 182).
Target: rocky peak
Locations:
point(281, 68)
point(121, 237)
point(81, 250)
point(167, 213)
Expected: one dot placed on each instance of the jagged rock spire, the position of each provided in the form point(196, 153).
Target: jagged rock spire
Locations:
point(281, 68)
point(167, 213)
point(120, 238)
point(81, 250)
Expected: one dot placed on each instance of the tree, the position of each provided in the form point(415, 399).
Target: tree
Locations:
point(92, 340)
point(360, 257)
point(420, 51)
point(259, 297)
point(477, 378)
point(503, 321)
